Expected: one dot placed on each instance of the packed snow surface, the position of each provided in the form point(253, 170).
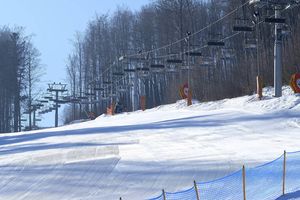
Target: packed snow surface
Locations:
point(135, 155)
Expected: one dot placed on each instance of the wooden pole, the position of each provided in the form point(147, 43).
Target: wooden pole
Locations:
point(244, 182)
point(190, 96)
point(196, 190)
point(284, 173)
point(164, 194)
point(259, 83)
point(143, 103)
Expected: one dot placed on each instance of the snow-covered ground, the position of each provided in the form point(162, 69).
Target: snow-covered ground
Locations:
point(135, 155)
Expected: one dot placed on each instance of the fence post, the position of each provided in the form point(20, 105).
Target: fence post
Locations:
point(196, 190)
point(284, 173)
point(244, 182)
point(164, 195)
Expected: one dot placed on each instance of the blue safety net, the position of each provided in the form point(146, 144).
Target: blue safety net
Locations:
point(229, 187)
point(158, 198)
point(265, 181)
point(292, 172)
point(189, 194)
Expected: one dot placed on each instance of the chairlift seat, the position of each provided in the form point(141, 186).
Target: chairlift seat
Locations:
point(195, 54)
point(275, 20)
point(107, 83)
point(129, 70)
point(215, 43)
point(174, 61)
point(243, 28)
point(142, 69)
point(99, 89)
point(83, 98)
point(157, 66)
point(118, 74)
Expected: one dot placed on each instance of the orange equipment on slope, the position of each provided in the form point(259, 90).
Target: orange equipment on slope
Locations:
point(143, 102)
point(295, 82)
point(111, 109)
point(184, 91)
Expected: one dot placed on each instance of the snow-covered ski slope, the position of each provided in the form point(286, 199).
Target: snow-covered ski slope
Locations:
point(135, 155)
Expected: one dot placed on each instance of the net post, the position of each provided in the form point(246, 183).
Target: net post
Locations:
point(259, 83)
point(164, 194)
point(284, 173)
point(244, 183)
point(196, 190)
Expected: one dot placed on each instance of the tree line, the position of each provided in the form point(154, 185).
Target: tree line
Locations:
point(101, 66)
point(19, 72)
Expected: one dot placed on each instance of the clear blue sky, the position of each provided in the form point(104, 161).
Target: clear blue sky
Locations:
point(54, 23)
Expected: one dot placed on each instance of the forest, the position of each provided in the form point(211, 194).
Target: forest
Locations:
point(152, 52)
point(20, 69)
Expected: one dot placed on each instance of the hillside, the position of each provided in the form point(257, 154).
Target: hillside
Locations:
point(135, 155)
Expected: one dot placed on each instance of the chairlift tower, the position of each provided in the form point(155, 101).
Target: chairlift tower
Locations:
point(134, 72)
point(278, 55)
point(57, 88)
point(188, 37)
point(277, 5)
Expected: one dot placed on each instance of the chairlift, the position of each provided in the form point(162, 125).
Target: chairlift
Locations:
point(98, 89)
point(174, 61)
point(118, 74)
point(129, 70)
point(193, 54)
point(145, 69)
point(39, 106)
point(216, 43)
point(66, 98)
point(136, 58)
point(275, 20)
point(61, 101)
point(83, 98)
point(157, 66)
point(243, 28)
point(48, 97)
point(243, 25)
